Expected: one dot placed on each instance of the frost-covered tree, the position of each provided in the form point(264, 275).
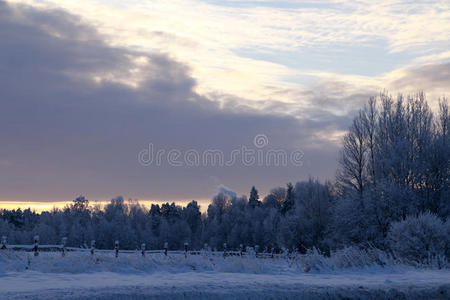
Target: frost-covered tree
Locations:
point(394, 162)
point(192, 216)
point(313, 208)
point(275, 198)
point(419, 238)
point(353, 174)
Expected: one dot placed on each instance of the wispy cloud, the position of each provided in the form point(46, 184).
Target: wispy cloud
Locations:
point(209, 37)
point(100, 79)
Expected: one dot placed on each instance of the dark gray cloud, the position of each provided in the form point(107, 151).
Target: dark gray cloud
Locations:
point(426, 77)
point(62, 133)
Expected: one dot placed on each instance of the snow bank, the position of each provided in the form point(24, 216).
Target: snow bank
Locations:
point(348, 273)
point(75, 262)
point(432, 284)
point(313, 261)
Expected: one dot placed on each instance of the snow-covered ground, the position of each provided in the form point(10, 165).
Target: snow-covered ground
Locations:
point(79, 276)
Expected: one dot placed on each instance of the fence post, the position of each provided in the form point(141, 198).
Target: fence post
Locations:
point(166, 246)
point(116, 247)
point(186, 244)
point(4, 242)
point(204, 251)
point(143, 249)
point(92, 247)
point(224, 249)
point(36, 245)
point(63, 246)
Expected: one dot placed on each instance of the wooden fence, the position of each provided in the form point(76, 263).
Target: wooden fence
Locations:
point(243, 252)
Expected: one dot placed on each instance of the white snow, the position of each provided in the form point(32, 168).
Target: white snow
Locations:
point(79, 276)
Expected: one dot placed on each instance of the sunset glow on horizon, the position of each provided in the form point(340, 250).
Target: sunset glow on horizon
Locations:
point(49, 206)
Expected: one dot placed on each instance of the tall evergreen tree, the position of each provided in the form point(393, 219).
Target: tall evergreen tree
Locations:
point(289, 201)
point(253, 200)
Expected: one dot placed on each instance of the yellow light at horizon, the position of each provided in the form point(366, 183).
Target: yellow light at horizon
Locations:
point(48, 206)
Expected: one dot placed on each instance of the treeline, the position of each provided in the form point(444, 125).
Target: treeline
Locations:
point(229, 219)
point(393, 172)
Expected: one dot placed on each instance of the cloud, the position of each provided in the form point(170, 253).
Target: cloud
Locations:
point(82, 95)
point(212, 38)
point(72, 123)
point(227, 191)
point(427, 77)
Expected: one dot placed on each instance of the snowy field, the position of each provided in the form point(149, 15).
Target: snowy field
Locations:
point(349, 275)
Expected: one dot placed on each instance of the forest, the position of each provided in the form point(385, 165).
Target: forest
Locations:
point(391, 192)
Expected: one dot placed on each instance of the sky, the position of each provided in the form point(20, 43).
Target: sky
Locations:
point(90, 91)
